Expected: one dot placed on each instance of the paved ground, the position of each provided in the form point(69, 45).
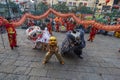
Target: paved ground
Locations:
point(101, 61)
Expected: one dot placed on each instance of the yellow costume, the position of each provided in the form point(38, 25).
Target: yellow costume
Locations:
point(53, 49)
point(117, 34)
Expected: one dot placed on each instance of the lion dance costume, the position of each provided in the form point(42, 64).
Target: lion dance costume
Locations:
point(11, 35)
point(53, 49)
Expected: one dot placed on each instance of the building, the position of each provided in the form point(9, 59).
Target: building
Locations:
point(116, 4)
point(27, 5)
point(103, 7)
point(88, 3)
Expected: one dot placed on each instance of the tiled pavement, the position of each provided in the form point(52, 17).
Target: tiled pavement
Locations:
point(101, 61)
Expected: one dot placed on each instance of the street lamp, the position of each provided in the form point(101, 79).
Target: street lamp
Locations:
point(52, 3)
point(8, 6)
point(96, 2)
point(52, 15)
point(35, 6)
point(34, 2)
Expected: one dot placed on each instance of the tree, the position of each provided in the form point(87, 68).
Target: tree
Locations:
point(15, 7)
point(3, 10)
point(80, 5)
point(61, 7)
point(41, 8)
point(85, 10)
point(114, 13)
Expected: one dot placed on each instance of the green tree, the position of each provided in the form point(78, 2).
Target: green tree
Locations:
point(114, 13)
point(42, 8)
point(3, 10)
point(80, 5)
point(85, 10)
point(61, 7)
point(15, 7)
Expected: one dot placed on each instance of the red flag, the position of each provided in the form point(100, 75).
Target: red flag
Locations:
point(16, 0)
point(107, 1)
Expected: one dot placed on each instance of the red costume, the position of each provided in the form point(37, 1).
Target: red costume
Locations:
point(71, 26)
point(92, 34)
point(49, 26)
point(67, 25)
point(30, 23)
point(57, 26)
point(63, 22)
point(11, 35)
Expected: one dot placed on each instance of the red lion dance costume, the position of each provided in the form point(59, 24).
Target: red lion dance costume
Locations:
point(11, 35)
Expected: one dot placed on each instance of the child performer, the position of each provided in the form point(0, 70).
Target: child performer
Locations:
point(53, 49)
point(11, 34)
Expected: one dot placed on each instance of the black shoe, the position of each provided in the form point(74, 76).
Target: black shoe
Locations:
point(88, 40)
point(12, 48)
point(118, 50)
point(80, 57)
point(16, 46)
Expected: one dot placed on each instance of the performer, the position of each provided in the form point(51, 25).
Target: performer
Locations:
point(67, 25)
point(49, 27)
point(57, 26)
point(72, 25)
point(92, 34)
point(30, 23)
point(11, 34)
point(53, 49)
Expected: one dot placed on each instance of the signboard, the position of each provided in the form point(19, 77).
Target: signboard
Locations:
point(105, 8)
